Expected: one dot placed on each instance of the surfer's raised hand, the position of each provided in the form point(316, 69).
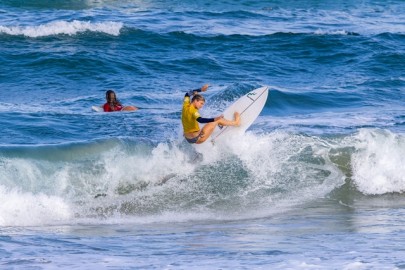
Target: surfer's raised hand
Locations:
point(204, 87)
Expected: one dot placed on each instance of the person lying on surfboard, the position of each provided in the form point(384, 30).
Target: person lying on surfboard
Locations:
point(190, 117)
point(113, 105)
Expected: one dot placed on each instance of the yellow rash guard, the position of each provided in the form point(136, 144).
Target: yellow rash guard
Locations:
point(189, 116)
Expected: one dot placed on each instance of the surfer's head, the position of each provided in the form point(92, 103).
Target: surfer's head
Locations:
point(110, 96)
point(198, 97)
point(198, 101)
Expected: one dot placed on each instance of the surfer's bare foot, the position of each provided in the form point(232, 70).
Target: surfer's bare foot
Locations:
point(237, 119)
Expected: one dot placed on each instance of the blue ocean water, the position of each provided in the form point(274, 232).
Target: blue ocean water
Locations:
point(317, 182)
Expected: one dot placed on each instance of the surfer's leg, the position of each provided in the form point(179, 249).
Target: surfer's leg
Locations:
point(209, 128)
point(225, 122)
point(206, 131)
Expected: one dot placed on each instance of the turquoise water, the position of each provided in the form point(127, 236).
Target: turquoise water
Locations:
point(316, 182)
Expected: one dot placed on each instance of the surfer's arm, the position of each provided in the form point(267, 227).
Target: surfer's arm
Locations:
point(193, 92)
point(203, 120)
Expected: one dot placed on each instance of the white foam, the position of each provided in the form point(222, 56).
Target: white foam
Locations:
point(279, 161)
point(276, 176)
point(378, 163)
point(63, 28)
point(26, 209)
point(287, 160)
point(331, 32)
point(149, 167)
point(255, 175)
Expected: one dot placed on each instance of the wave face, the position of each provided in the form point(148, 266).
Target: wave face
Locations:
point(256, 176)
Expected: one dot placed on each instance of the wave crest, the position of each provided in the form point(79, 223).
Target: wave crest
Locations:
point(63, 28)
point(378, 164)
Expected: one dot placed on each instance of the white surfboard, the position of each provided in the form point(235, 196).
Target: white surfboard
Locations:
point(249, 106)
point(101, 109)
point(97, 108)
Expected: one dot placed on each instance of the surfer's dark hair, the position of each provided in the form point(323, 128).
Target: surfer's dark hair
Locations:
point(198, 97)
point(107, 96)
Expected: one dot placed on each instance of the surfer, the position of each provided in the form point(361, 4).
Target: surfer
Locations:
point(113, 105)
point(190, 117)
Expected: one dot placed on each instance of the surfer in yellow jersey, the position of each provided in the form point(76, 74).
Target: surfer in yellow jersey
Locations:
point(190, 117)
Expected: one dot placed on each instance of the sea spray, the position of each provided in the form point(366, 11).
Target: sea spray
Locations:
point(378, 163)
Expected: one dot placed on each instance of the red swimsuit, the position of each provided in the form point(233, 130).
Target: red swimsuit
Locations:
point(107, 108)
